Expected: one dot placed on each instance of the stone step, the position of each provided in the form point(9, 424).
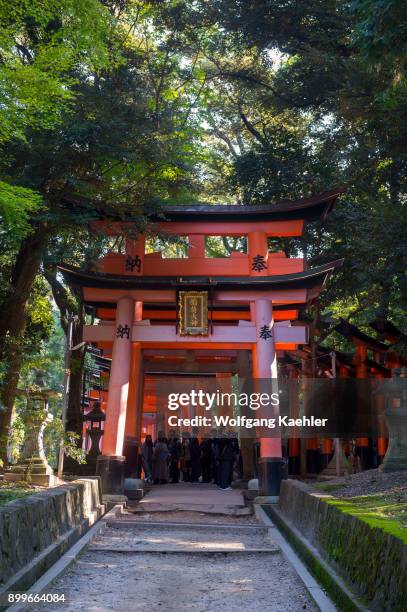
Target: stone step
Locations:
point(205, 508)
point(181, 538)
point(189, 551)
point(124, 523)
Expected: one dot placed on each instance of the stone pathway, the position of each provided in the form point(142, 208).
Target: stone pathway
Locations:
point(200, 565)
point(193, 497)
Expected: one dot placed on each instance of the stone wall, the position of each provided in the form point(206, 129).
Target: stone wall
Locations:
point(372, 561)
point(36, 530)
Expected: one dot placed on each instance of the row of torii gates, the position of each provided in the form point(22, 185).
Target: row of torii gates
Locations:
point(247, 304)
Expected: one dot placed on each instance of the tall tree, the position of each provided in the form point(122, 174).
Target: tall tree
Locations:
point(121, 147)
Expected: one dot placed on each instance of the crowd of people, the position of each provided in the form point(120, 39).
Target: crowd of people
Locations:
point(213, 459)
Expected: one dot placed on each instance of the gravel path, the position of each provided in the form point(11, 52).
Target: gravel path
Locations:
point(115, 573)
point(370, 482)
point(193, 582)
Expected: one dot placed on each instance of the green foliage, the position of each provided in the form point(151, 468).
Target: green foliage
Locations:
point(17, 205)
point(71, 447)
point(16, 437)
point(223, 246)
point(52, 437)
point(382, 34)
point(301, 97)
point(169, 247)
point(41, 43)
point(39, 332)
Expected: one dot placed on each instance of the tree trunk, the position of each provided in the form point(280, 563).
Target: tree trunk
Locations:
point(8, 395)
point(13, 322)
point(74, 411)
point(67, 305)
point(12, 316)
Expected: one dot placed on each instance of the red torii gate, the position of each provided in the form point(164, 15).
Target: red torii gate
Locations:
point(135, 297)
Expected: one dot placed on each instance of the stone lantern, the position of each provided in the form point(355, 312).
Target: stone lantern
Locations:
point(32, 465)
point(395, 392)
point(94, 420)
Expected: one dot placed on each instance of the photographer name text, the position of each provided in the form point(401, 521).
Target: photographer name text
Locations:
point(247, 422)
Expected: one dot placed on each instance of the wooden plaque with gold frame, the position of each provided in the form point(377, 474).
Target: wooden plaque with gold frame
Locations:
point(193, 313)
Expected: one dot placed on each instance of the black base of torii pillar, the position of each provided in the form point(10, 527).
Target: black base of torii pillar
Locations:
point(110, 469)
point(272, 470)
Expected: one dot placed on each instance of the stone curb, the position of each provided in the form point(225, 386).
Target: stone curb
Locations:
point(66, 560)
point(326, 576)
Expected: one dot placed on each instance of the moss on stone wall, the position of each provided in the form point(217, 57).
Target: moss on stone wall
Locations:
point(370, 558)
point(317, 569)
point(383, 511)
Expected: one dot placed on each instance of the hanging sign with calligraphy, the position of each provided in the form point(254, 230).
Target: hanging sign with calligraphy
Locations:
point(193, 313)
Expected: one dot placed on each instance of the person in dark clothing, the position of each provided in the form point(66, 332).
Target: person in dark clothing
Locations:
point(175, 450)
point(147, 458)
point(237, 462)
point(160, 461)
point(206, 459)
point(195, 453)
point(226, 461)
point(215, 447)
point(186, 457)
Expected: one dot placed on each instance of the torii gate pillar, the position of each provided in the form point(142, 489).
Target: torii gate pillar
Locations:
point(272, 466)
point(110, 465)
